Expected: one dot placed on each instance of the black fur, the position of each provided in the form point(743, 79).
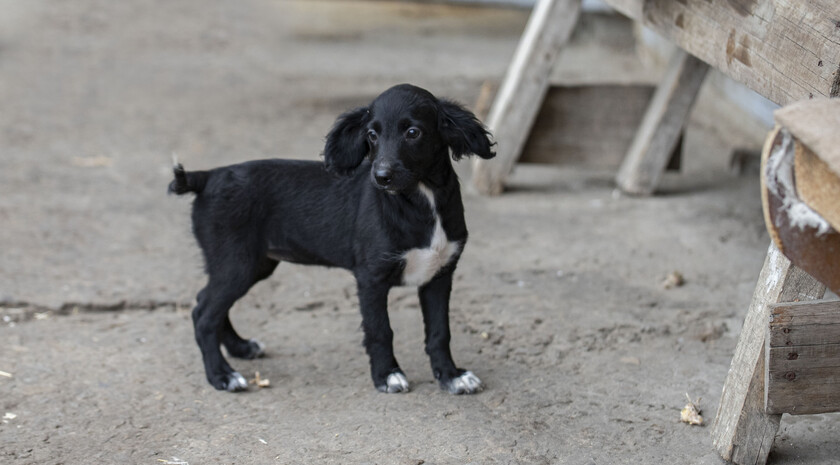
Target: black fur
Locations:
point(360, 210)
point(462, 131)
point(183, 183)
point(346, 143)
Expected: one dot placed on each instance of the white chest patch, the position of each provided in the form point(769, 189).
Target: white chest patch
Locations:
point(421, 265)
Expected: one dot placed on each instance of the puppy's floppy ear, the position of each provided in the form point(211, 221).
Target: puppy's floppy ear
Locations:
point(347, 145)
point(463, 132)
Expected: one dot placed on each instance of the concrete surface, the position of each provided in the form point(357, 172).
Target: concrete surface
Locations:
point(558, 304)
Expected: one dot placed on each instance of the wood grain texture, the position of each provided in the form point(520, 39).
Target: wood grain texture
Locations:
point(662, 125)
point(784, 50)
point(589, 126)
point(742, 432)
point(803, 358)
point(523, 89)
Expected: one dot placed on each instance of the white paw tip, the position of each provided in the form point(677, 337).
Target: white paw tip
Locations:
point(260, 348)
point(237, 382)
point(396, 382)
point(467, 383)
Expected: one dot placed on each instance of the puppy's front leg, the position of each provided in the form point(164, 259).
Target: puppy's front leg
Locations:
point(434, 299)
point(379, 338)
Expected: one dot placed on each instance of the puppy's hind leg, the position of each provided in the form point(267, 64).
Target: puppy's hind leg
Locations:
point(209, 319)
point(236, 345)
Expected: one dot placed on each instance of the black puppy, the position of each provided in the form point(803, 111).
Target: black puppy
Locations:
point(385, 204)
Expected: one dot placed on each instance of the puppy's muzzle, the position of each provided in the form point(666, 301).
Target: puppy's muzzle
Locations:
point(383, 177)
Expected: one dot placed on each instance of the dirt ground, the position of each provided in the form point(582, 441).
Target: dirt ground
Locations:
point(558, 303)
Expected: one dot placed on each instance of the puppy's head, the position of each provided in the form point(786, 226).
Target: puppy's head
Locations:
point(407, 134)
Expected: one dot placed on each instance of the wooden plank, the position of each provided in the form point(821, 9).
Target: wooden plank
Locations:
point(523, 89)
point(662, 125)
point(782, 360)
point(742, 432)
point(570, 127)
point(822, 398)
point(792, 314)
point(804, 391)
point(786, 51)
point(801, 336)
point(804, 323)
point(823, 375)
point(803, 358)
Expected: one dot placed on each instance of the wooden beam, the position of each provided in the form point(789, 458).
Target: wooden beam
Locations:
point(786, 51)
point(803, 358)
point(662, 125)
point(523, 89)
point(742, 432)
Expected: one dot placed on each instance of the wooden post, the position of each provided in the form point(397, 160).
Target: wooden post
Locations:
point(742, 432)
point(803, 358)
point(523, 89)
point(662, 125)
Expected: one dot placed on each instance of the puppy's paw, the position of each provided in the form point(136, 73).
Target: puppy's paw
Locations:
point(257, 349)
point(248, 350)
point(466, 383)
point(231, 382)
point(396, 382)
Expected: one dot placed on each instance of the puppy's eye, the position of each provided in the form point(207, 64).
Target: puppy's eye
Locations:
point(412, 133)
point(372, 136)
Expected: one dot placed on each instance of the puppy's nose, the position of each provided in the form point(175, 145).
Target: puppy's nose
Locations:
point(383, 177)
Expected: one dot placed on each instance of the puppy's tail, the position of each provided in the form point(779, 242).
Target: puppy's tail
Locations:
point(193, 181)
